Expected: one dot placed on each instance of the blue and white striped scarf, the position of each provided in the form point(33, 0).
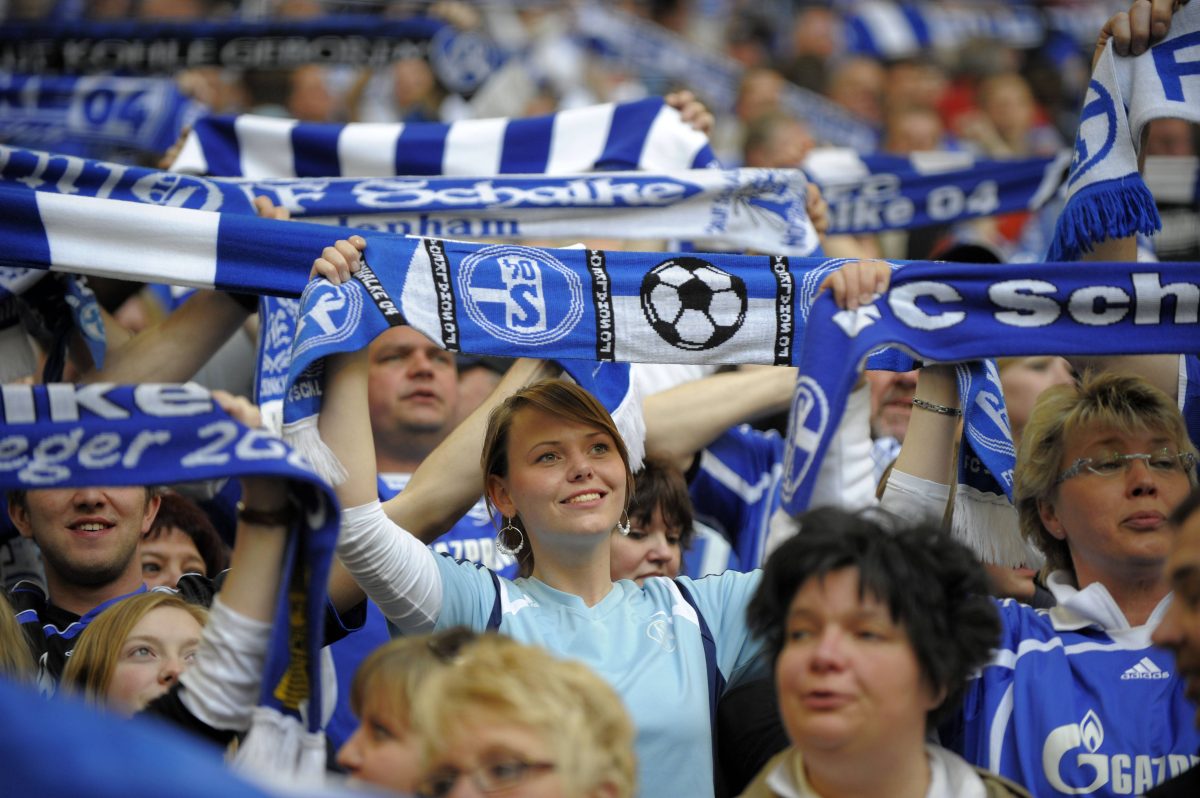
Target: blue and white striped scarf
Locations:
point(661, 55)
point(890, 30)
point(60, 435)
point(1106, 197)
point(93, 116)
point(762, 209)
point(645, 135)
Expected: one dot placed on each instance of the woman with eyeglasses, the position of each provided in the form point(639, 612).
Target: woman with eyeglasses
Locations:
point(384, 751)
point(556, 474)
point(513, 719)
point(1076, 699)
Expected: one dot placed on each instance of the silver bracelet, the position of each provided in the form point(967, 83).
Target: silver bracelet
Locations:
point(935, 408)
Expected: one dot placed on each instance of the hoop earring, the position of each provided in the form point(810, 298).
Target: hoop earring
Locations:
point(625, 527)
point(502, 545)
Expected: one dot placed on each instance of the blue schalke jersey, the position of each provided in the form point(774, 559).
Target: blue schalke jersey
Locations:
point(736, 489)
point(1067, 707)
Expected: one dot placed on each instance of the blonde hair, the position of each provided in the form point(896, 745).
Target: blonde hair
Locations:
point(394, 673)
point(16, 659)
point(94, 658)
point(575, 712)
point(556, 397)
point(1127, 404)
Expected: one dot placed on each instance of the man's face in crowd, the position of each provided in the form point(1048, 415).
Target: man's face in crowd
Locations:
point(88, 536)
point(1180, 627)
point(413, 383)
point(891, 402)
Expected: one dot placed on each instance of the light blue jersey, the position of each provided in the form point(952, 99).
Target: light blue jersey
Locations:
point(646, 641)
point(1070, 706)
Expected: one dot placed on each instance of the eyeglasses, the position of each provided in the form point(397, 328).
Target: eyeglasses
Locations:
point(488, 778)
point(1163, 461)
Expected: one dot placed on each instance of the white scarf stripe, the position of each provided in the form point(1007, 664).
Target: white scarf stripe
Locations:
point(95, 237)
point(583, 142)
point(262, 155)
point(359, 147)
point(475, 148)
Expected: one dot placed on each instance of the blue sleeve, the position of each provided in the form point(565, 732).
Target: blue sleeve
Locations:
point(734, 489)
point(1189, 399)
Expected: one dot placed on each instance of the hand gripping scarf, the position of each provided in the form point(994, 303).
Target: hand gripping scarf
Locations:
point(1106, 197)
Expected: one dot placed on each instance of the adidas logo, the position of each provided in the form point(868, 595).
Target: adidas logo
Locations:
point(1145, 669)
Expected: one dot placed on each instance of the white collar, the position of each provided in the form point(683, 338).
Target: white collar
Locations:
point(1093, 605)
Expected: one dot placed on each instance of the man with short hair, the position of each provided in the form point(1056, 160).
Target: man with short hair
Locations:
point(1179, 629)
point(413, 398)
point(88, 538)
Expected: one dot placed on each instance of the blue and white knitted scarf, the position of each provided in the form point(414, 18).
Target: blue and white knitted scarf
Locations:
point(1106, 197)
point(889, 30)
point(954, 312)
point(645, 135)
point(60, 435)
point(871, 193)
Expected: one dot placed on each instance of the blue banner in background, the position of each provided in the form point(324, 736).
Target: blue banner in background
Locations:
point(141, 47)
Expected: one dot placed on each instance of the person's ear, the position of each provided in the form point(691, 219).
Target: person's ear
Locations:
point(497, 491)
point(18, 513)
point(151, 512)
point(1050, 520)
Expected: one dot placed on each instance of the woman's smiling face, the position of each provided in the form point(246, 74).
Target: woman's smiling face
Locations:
point(563, 477)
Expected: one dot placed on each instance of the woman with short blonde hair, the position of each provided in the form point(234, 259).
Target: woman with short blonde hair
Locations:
point(508, 714)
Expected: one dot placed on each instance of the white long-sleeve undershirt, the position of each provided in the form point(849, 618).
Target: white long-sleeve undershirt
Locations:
point(393, 568)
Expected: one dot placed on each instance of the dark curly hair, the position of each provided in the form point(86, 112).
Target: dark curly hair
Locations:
point(933, 586)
